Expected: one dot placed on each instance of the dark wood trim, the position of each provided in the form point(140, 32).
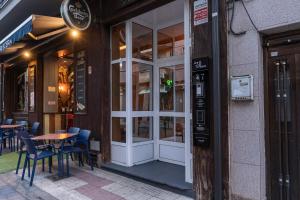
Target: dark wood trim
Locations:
point(266, 50)
point(266, 110)
point(203, 158)
point(117, 13)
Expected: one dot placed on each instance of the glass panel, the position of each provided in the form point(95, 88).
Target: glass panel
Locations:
point(142, 42)
point(171, 41)
point(172, 129)
point(31, 88)
point(142, 129)
point(22, 89)
point(66, 83)
point(142, 91)
point(172, 88)
point(119, 86)
point(119, 129)
point(118, 40)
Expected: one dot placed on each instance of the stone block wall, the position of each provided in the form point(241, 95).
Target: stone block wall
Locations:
point(246, 119)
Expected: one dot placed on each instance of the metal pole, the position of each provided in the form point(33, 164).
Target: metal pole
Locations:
point(218, 177)
point(286, 137)
point(278, 101)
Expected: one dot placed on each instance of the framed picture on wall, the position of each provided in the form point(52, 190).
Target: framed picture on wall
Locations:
point(31, 88)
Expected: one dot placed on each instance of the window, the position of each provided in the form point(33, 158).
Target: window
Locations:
point(118, 42)
point(172, 129)
point(119, 129)
point(142, 129)
point(142, 91)
point(119, 86)
point(172, 88)
point(142, 42)
point(171, 41)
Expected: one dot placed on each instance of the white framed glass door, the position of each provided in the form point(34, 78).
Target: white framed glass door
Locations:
point(150, 87)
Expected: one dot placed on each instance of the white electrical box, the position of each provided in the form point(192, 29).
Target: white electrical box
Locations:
point(242, 88)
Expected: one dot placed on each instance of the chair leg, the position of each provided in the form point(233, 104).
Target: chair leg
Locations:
point(43, 163)
point(82, 159)
point(90, 161)
point(28, 167)
point(24, 167)
point(33, 171)
point(50, 164)
point(68, 169)
point(62, 164)
point(1, 143)
point(58, 163)
point(19, 161)
point(71, 156)
point(14, 144)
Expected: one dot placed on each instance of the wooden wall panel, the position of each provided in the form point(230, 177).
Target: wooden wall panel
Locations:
point(96, 39)
point(203, 159)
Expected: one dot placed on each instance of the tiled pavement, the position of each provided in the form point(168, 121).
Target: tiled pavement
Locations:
point(84, 184)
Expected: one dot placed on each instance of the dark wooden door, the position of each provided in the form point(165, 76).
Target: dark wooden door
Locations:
point(284, 123)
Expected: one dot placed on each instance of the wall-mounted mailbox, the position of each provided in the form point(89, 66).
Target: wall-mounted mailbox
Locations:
point(242, 88)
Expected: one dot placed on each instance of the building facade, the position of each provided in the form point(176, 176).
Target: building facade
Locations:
point(254, 138)
point(134, 78)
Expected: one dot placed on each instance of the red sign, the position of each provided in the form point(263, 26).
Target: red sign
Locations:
point(200, 12)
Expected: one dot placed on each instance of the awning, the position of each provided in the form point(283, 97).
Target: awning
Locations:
point(36, 27)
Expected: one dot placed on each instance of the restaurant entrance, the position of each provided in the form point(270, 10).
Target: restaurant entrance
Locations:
point(284, 120)
point(151, 88)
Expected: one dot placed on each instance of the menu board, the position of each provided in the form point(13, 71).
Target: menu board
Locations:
point(80, 82)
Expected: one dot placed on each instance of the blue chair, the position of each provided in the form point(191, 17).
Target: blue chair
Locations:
point(22, 150)
point(7, 134)
point(74, 130)
point(33, 154)
point(35, 128)
point(3, 138)
point(8, 122)
point(23, 127)
point(80, 147)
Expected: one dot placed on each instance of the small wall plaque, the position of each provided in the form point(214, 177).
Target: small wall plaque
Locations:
point(242, 88)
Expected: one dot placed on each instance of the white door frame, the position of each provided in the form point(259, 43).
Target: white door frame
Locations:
point(156, 114)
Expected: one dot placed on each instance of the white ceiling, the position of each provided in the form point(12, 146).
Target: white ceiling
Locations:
point(172, 12)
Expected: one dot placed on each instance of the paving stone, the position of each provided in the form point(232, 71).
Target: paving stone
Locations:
point(84, 184)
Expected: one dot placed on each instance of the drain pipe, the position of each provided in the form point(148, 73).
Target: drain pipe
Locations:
point(218, 180)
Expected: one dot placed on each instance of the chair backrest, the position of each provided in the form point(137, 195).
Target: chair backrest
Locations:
point(24, 123)
point(30, 147)
point(74, 130)
point(8, 121)
point(22, 134)
point(83, 137)
point(35, 127)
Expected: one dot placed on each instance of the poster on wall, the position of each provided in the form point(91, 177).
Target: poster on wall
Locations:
point(200, 12)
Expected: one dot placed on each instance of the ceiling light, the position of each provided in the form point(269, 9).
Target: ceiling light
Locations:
point(74, 33)
point(27, 54)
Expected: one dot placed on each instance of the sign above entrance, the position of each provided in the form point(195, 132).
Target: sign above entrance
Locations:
point(76, 14)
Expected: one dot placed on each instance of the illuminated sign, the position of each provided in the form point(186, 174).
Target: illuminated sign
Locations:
point(76, 14)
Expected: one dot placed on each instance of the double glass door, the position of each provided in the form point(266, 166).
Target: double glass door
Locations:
point(150, 92)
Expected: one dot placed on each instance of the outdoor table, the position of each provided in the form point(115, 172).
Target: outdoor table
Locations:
point(56, 137)
point(12, 127)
